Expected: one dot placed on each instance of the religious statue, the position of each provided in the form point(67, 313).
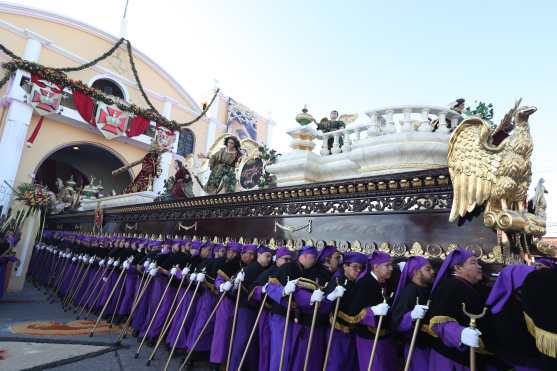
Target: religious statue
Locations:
point(150, 163)
point(223, 167)
point(538, 203)
point(332, 123)
point(183, 183)
point(67, 197)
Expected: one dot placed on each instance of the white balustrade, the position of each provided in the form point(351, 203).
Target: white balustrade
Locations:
point(389, 121)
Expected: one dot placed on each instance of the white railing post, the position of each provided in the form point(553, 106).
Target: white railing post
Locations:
point(373, 128)
point(443, 122)
point(425, 124)
point(407, 119)
point(347, 145)
point(336, 143)
point(324, 146)
point(390, 127)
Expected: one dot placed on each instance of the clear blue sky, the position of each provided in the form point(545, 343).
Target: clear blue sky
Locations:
point(351, 55)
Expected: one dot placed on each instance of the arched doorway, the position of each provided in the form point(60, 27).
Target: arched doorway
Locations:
point(81, 161)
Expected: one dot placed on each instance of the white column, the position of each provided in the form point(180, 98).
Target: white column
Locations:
point(166, 157)
point(213, 116)
point(373, 128)
point(270, 127)
point(424, 125)
point(390, 125)
point(443, 122)
point(407, 119)
point(17, 121)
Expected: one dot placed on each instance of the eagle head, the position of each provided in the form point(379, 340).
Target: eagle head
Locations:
point(524, 112)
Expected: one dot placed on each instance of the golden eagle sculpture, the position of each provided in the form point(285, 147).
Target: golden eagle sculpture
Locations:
point(489, 167)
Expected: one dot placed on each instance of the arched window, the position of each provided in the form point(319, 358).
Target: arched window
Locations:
point(109, 87)
point(186, 142)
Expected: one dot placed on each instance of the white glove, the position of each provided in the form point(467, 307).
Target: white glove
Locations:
point(185, 271)
point(152, 265)
point(380, 309)
point(91, 261)
point(338, 292)
point(200, 277)
point(101, 263)
point(264, 288)
point(146, 264)
point(131, 259)
point(240, 277)
point(126, 265)
point(74, 259)
point(116, 263)
point(153, 272)
point(471, 337)
point(419, 312)
point(289, 288)
point(110, 261)
point(192, 276)
point(226, 286)
point(173, 271)
point(316, 296)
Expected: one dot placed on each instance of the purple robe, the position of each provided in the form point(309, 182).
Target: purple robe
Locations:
point(385, 355)
point(342, 355)
point(130, 291)
point(162, 313)
point(4, 272)
point(173, 333)
point(157, 287)
point(222, 330)
point(244, 325)
point(140, 313)
point(420, 355)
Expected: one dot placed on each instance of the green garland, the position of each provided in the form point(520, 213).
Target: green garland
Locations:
point(269, 157)
point(57, 76)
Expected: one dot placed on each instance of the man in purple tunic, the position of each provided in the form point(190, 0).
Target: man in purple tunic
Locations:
point(342, 354)
point(226, 270)
point(200, 254)
point(369, 304)
point(455, 284)
point(283, 255)
point(302, 280)
point(247, 312)
point(410, 304)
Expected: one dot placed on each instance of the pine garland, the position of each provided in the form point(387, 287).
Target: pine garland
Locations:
point(58, 76)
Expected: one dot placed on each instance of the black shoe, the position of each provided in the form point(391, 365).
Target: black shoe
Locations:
point(135, 333)
point(214, 367)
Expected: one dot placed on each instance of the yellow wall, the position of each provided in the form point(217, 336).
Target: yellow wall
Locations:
point(56, 135)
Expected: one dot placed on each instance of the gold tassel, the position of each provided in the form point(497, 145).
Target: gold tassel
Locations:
point(546, 341)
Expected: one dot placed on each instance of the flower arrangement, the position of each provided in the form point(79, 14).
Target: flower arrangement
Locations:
point(32, 195)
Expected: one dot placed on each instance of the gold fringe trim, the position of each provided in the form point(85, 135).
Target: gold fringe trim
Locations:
point(353, 319)
point(437, 320)
point(274, 280)
point(223, 275)
point(546, 341)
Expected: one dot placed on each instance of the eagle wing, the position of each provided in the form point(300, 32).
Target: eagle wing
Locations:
point(473, 166)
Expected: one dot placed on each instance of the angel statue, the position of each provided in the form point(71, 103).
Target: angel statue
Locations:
point(223, 167)
point(333, 123)
point(538, 203)
point(496, 173)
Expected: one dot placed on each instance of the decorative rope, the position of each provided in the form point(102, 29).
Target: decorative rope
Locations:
point(151, 106)
point(94, 61)
point(307, 227)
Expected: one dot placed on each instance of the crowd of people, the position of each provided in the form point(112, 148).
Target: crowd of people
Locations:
point(255, 307)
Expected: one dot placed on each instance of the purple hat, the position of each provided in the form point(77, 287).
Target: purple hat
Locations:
point(196, 245)
point(263, 249)
point(234, 246)
point(412, 265)
point(379, 257)
point(355, 257)
point(283, 251)
point(217, 247)
point(510, 278)
point(308, 250)
point(457, 257)
point(327, 252)
point(249, 247)
point(154, 244)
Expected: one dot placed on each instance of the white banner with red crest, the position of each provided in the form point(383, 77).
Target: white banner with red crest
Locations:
point(45, 97)
point(111, 121)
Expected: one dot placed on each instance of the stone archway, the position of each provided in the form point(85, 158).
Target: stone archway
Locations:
point(81, 161)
